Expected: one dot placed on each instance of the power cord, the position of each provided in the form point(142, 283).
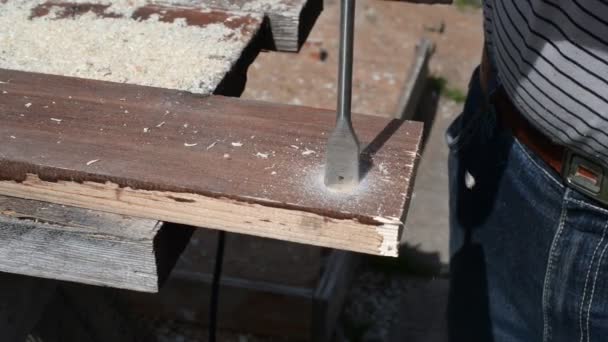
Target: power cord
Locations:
point(215, 285)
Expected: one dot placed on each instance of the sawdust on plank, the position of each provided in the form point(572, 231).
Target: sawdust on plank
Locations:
point(254, 6)
point(148, 52)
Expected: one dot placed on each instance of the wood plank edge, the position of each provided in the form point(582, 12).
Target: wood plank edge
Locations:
point(288, 30)
point(416, 81)
point(234, 81)
point(379, 237)
point(139, 281)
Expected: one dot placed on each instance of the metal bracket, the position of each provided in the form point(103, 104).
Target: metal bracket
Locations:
point(586, 176)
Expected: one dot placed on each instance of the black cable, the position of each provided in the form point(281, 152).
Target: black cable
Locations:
point(215, 285)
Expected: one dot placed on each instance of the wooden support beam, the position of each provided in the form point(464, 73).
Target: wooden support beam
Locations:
point(416, 82)
point(54, 241)
point(241, 166)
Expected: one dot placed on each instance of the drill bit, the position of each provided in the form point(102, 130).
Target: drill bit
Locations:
point(343, 151)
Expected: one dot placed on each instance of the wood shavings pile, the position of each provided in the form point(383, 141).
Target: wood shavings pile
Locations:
point(149, 52)
point(255, 6)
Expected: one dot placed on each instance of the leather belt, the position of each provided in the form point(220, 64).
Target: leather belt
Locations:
point(577, 170)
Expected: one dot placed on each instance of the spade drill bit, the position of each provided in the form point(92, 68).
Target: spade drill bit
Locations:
point(343, 151)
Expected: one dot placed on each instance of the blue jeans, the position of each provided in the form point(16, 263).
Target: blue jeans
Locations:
point(529, 255)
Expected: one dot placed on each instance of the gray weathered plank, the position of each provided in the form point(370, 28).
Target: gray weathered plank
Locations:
point(290, 21)
point(85, 246)
point(416, 81)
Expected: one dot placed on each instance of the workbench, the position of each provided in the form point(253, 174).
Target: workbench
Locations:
point(82, 236)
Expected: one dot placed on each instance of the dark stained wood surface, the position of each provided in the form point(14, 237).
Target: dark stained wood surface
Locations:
point(70, 129)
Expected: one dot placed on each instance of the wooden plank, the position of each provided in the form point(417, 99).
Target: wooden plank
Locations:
point(200, 50)
point(416, 81)
point(289, 21)
point(53, 241)
point(240, 166)
point(22, 301)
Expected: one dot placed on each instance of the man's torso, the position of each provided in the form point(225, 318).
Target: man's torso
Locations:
point(551, 56)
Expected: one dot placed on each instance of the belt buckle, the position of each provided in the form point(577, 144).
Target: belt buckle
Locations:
point(582, 174)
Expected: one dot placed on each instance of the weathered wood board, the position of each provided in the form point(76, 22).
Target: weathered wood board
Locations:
point(22, 302)
point(290, 21)
point(241, 166)
point(196, 49)
point(80, 245)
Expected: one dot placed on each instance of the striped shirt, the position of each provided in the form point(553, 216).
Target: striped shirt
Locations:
point(551, 56)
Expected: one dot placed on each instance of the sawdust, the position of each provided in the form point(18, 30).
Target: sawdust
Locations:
point(254, 6)
point(308, 152)
point(309, 171)
point(315, 188)
point(149, 52)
